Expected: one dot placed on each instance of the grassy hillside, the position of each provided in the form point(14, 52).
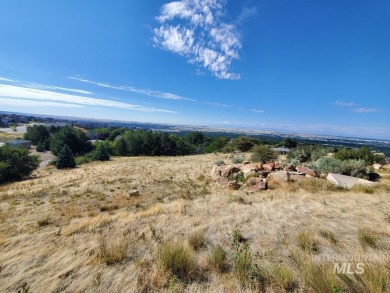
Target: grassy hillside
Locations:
point(80, 231)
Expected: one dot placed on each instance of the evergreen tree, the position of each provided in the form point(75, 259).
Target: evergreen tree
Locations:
point(36, 133)
point(16, 163)
point(121, 148)
point(40, 147)
point(101, 153)
point(65, 158)
point(75, 139)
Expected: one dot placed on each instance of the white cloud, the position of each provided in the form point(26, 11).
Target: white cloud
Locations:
point(201, 36)
point(246, 13)
point(257, 111)
point(219, 104)
point(365, 110)
point(50, 87)
point(356, 108)
point(20, 92)
point(6, 79)
point(32, 103)
point(344, 104)
point(148, 92)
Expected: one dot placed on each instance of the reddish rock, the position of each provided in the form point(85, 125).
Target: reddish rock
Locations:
point(230, 170)
point(253, 181)
point(248, 167)
point(306, 171)
point(269, 167)
point(278, 166)
point(260, 186)
point(233, 185)
point(290, 167)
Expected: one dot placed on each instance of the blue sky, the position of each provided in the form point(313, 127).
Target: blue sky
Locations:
point(297, 66)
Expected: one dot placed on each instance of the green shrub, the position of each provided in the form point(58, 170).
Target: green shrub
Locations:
point(178, 260)
point(16, 163)
point(101, 153)
point(87, 158)
point(219, 162)
point(362, 153)
point(40, 147)
point(263, 154)
point(238, 160)
point(331, 165)
point(65, 159)
point(326, 165)
point(244, 143)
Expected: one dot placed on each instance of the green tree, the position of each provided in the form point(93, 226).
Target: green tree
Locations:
point(263, 154)
point(101, 153)
point(75, 139)
point(40, 147)
point(244, 143)
point(196, 138)
point(65, 158)
point(36, 133)
point(121, 147)
point(15, 163)
point(288, 143)
point(362, 153)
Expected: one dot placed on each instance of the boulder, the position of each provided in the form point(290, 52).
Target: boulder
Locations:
point(278, 166)
point(134, 192)
point(269, 167)
point(216, 172)
point(233, 185)
point(280, 176)
point(290, 167)
point(248, 167)
point(306, 171)
point(253, 181)
point(348, 181)
point(250, 174)
point(377, 166)
point(230, 170)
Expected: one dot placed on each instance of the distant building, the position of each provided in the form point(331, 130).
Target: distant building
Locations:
point(118, 137)
point(21, 143)
point(282, 150)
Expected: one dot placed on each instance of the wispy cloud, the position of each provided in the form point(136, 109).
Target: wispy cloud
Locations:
point(356, 108)
point(34, 103)
point(50, 87)
point(344, 104)
point(21, 92)
point(201, 36)
point(42, 86)
point(257, 111)
point(218, 104)
point(6, 79)
point(365, 110)
point(147, 92)
point(246, 13)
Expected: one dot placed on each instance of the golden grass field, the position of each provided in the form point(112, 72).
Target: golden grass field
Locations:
point(79, 231)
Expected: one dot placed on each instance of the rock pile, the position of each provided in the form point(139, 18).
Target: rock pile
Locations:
point(256, 175)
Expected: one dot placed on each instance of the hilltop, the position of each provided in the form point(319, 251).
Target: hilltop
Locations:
point(85, 230)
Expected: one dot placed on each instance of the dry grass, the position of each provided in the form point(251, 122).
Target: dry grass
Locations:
point(79, 231)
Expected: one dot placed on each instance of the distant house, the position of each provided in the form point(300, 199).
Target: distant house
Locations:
point(118, 137)
point(21, 143)
point(282, 150)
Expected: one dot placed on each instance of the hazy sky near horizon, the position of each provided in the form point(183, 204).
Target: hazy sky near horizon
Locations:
point(297, 66)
